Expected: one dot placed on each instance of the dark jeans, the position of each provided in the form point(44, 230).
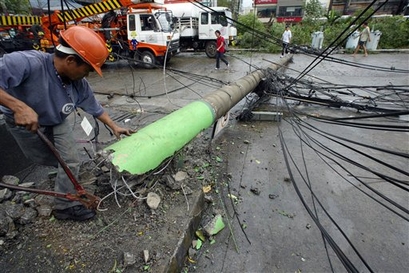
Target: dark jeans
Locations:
point(220, 56)
point(37, 151)
point(285, 49)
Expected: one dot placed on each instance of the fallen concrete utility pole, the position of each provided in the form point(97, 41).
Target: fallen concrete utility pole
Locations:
point(151, 145)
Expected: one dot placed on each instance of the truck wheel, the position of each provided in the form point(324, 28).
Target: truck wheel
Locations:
point(148, 60)
point(211, 49)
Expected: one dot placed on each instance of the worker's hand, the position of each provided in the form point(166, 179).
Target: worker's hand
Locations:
point(118, 131)
point(26, 117)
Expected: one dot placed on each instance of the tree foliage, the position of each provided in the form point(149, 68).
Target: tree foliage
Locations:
point(313, 9)
point(248, 22)
point(223, 3)
point(332, 17)
point(15, 6)
point(394, 32)
point(247, 37)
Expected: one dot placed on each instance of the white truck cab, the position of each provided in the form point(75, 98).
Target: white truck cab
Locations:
point(150, 35)
point(197, 25)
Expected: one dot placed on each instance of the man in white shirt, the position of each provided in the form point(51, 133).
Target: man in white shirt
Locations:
point(286, 38)
point(364, 37)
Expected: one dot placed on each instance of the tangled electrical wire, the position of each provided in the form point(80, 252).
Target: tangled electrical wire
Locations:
point(381, 99)
point(352, 158)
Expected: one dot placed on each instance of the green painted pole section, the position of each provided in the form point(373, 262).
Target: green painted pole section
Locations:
point(146, 149)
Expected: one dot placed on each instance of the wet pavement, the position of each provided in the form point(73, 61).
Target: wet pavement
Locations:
point(270, 229)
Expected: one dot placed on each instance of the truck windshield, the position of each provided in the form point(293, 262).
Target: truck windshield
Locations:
point(165, 20)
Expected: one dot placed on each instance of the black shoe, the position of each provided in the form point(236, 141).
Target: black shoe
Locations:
point(76, 213)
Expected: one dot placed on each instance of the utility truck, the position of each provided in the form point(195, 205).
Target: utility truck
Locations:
point(139, 29)
point(197, 24)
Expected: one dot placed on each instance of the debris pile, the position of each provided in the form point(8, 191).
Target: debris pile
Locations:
point(18, 208)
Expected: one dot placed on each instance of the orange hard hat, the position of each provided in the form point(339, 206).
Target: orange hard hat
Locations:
point(88, 45)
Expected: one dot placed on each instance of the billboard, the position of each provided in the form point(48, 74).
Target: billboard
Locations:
point(265, 2)
point(293, 19)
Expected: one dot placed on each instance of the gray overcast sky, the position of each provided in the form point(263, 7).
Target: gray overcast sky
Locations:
point(247, 3)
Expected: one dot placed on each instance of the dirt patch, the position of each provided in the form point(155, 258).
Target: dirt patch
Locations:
point(117, 238)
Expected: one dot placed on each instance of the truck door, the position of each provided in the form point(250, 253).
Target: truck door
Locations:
point(147, 37)
point(205, 30)
point(144, 28)
point(142, 39)
point(133, 30)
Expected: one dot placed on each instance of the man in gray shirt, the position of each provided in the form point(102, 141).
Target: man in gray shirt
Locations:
point(39, 90)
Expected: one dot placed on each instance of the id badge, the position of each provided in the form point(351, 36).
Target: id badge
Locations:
point(86, 126)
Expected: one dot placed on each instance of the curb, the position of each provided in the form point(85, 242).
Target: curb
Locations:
point(177, 260)
point(403, 50)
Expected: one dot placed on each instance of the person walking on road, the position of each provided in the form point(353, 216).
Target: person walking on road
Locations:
point(39, 90)
point(286, 39)
point(364, 37)
point(221, 49)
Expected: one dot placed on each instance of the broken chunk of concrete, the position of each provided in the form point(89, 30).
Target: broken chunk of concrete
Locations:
point(10, 179)
point(192, 253)
point(6, 224)
point(146, 255)
point(44, 210)
point(28, 216)
point(171, 183)
point(180, 176)
point(215, 225)
point(129, 258)
point(153, 200)
point(194, 243)
point(13, 210)
point(5, 194)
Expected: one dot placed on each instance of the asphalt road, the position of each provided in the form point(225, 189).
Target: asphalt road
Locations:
point(279, 234)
